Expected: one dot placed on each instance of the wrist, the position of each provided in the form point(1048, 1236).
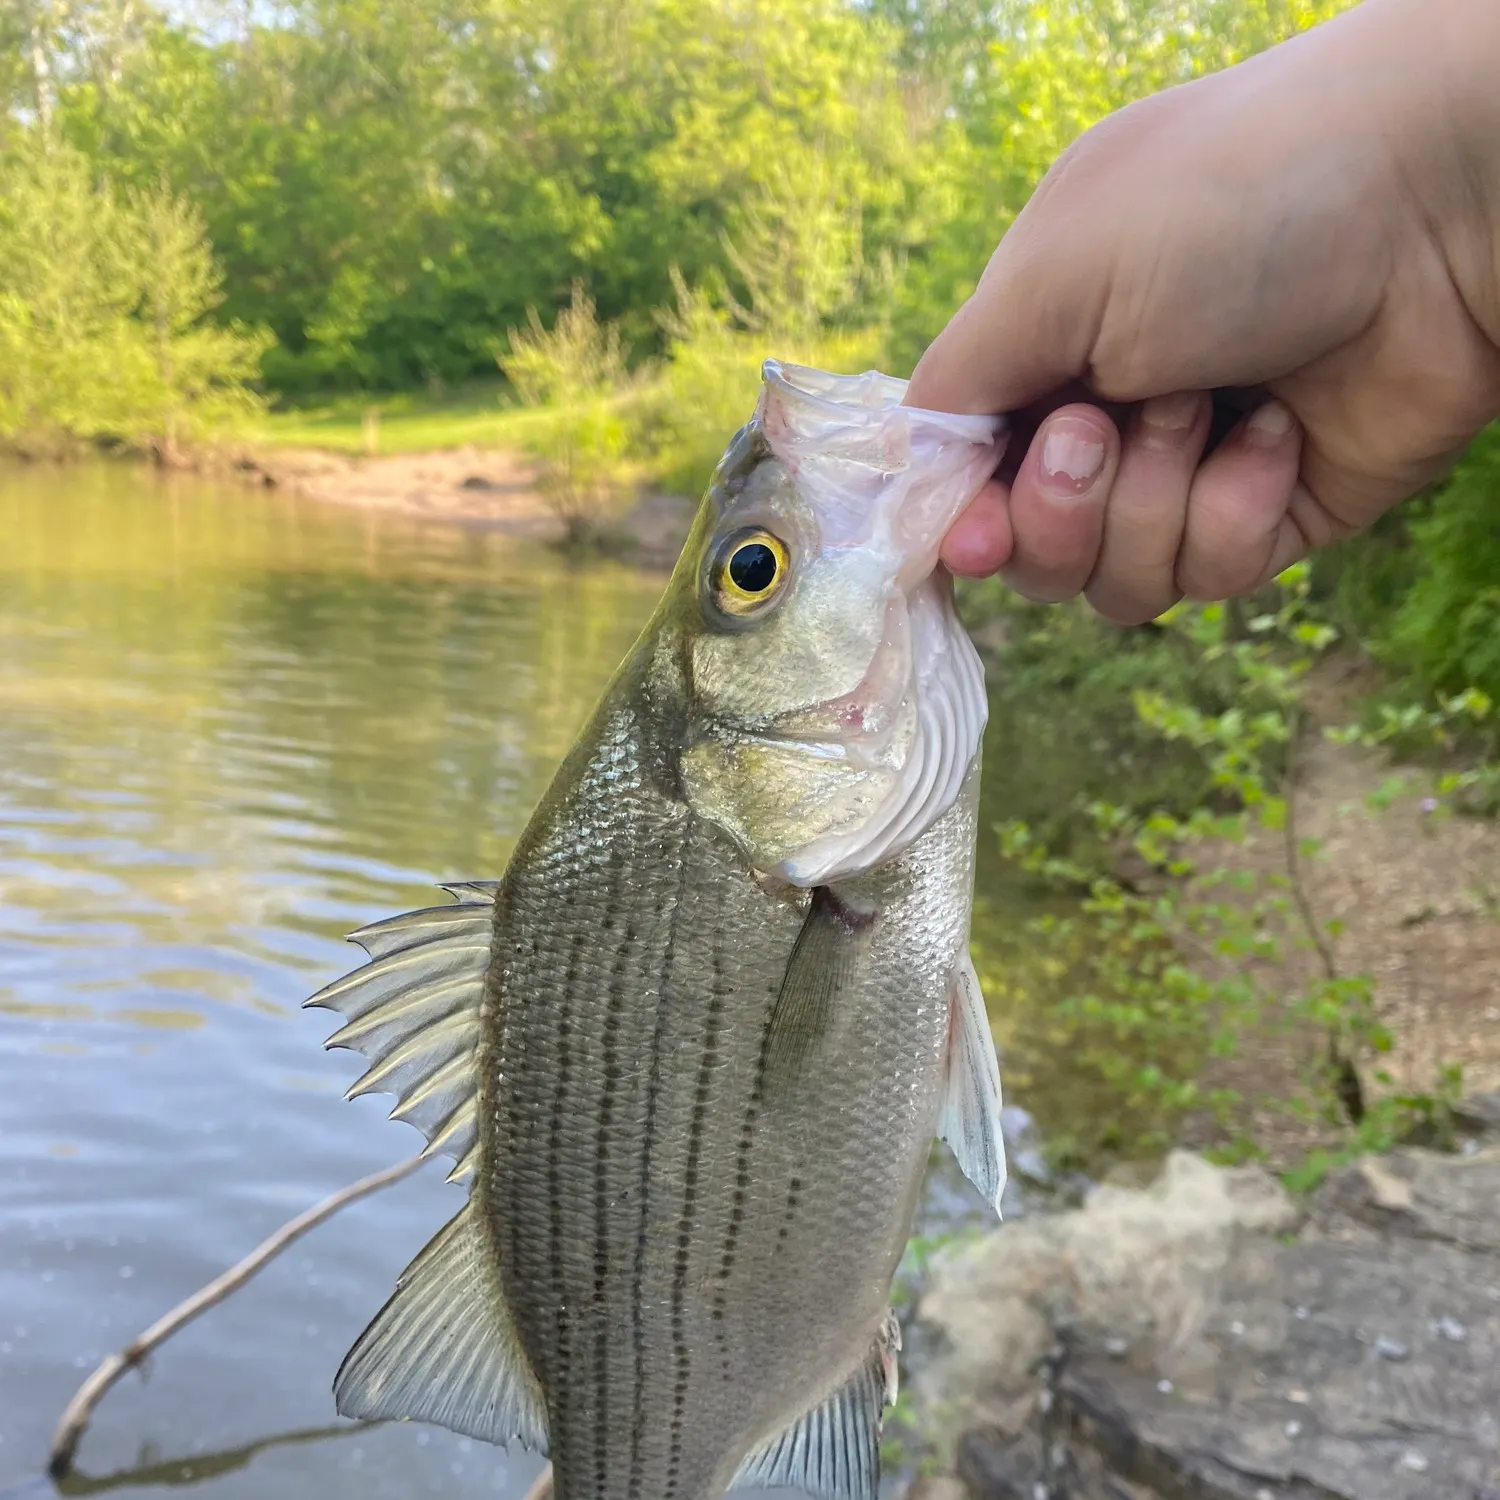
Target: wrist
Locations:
point(1449, 134)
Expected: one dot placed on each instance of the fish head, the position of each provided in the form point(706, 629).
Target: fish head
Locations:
point(834, 702)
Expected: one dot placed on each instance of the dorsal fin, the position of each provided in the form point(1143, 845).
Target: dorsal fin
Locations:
point(970, 1117)
point(444, 1348)
point(413, 1011)
point(833, 1451)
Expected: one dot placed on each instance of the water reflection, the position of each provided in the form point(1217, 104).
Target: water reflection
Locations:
point(173, 1473)
point(232, 728)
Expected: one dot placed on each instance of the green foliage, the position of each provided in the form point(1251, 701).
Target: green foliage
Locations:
point(388, 188)
point(474, 414)
point(1427, 1119)
point(1446, 631)
point(192, 382)
point(1063, 713)
point(103, 298)
point(709, 381)
point(1454, 730)
point(576, 370)
point(65, 301)
point(391, 187)
point(1170, 966)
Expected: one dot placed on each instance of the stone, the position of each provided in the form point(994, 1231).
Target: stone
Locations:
point(1204, 1339)
point(1480, 1113)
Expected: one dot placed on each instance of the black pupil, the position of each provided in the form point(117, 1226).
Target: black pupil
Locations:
point(753, 568)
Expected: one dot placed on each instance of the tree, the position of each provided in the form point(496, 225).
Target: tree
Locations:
point(194, 379)
point(103, 298)
point(65, 299)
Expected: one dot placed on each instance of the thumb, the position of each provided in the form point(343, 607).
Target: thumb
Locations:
point(1026, 332)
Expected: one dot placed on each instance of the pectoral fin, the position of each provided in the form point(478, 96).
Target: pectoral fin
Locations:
point(444, 1348)
point(833, 1451)
point(970, 1118)
point(825, 964)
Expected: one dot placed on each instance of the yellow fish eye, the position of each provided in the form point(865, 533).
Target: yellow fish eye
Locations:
point(749, 570)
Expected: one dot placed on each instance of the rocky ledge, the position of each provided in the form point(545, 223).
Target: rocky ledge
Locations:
point(1205, 1338)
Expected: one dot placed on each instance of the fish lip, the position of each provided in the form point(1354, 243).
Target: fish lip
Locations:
point(821, 749)
point(855, 740)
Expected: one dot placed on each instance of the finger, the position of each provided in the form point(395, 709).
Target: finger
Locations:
point(1057, 503)
point(1027, 329)
point(1135, 577)
point(979, 542)
point(1239, 530)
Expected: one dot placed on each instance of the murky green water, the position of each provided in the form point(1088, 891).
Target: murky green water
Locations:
point(232, 728)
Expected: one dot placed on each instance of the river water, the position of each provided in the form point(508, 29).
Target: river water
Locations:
point(234, 726)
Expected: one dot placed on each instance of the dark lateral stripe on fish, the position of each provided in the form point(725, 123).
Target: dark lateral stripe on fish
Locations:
point(648, 1141)
point(561, 1374)
point(742, 1175)
point(613, 1015)
point(680, 1357)
point(793, 1195)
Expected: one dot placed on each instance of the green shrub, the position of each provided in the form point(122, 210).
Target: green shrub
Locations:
point(1446, 630)
point(104, 300)
point(576, 372)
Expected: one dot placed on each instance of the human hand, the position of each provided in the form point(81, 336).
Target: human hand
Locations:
point(1315, 236)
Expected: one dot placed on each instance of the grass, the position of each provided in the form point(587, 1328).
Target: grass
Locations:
point(482, 414)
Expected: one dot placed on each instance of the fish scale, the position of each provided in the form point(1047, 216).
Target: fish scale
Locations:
point(708, 1040)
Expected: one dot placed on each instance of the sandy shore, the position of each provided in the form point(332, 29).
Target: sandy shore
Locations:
point(487, 488)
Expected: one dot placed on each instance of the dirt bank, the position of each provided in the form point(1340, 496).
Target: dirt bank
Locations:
point(489, 488)
point(1414, 894)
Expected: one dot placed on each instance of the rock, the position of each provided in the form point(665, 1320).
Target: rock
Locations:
point(1480, 1113)
point(1178, 1343)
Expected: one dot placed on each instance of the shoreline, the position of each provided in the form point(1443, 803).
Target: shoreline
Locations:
point(489, 489)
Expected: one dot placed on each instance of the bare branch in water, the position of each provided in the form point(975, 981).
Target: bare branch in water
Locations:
point(75, 1419)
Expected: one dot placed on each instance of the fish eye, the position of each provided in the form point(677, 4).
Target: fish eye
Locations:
point(748, 571)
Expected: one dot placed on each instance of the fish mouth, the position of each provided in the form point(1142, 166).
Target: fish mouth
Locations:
point(865, 725)
point(903, 739)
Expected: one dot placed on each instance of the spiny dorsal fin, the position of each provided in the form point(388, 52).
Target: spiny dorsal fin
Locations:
point(970, 1117)
point(824, 966)
point(833, 1451)
point(413, 1011)
point(444, 1348)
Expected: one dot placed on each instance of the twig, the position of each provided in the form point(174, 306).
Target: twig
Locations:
point(1294, 853)
point(81, 1408)
point(542, 1488)
point(1348, 1087)
point(193, 1469)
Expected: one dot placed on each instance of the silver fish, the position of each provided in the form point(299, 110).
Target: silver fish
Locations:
point(691, 1050)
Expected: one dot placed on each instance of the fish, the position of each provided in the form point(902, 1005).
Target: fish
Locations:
point(691, 1049)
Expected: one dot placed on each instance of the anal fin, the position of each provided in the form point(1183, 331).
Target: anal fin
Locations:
point(444, 1348)
point(833, 1451)
point(970, 1117)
